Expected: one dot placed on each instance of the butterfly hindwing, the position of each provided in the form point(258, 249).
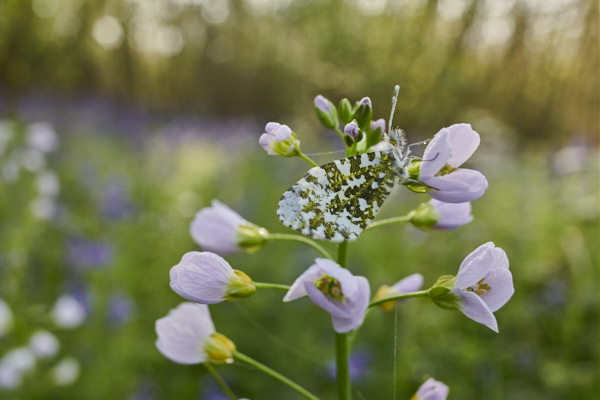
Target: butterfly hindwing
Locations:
point(337, 200)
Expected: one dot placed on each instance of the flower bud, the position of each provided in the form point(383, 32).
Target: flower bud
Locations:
point(375, 132)
point(239, 287)
point(251, 237)
point(345, 111)
point(364, 113)
point(280, 140)
point(425, 216)
point(352, 132)
point(326, 112)
point(219, 349)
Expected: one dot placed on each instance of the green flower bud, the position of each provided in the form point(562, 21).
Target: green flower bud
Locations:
point(345, 111)
point(239, 287)
point(363, 113)
point(441, 292)
point(219, 349)
point(425, 216)
point(251, 237)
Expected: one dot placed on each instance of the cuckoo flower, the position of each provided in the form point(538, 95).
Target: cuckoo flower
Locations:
point(482, 286)
point(336, 290)
point(439, 215)
point(440, 171)
point(326, 112)
point(431, 390)
point(279, 140)
point(207, 278)
point(221, 230)
point(411, 283)
point(187, 336)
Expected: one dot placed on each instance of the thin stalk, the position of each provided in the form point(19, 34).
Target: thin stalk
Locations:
point(298, 238)
point(421, 293)
point(220, 381)
point(241, 357)
point(388, 221)
point(342, 346)
point(261, 285)
point(308, 159)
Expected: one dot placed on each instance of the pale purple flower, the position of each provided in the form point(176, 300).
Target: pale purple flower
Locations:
point(481, 287)
point(447, 151)
point(410, 284)
point(451, 215)
point(336, 290)
point(68, 312)
point(279, 140)
point(378, 124)
point(431, 390)
point(351, 129)
point(207, 278)
point(187, 336)
point(216, 228)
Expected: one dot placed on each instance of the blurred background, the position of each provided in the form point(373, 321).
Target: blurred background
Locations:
point(120, 119)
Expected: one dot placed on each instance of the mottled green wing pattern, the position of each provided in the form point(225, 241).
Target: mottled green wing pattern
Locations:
point(337, 200)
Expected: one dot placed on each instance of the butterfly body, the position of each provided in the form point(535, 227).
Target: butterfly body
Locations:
point(337, 200)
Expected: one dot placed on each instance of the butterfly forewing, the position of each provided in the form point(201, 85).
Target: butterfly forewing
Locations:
point(337, 200)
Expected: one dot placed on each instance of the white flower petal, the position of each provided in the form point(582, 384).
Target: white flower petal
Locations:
point(502, 288)
point(436, 155)
point(475, 308)
point(460, 186)
point(411, 283)
point(214, 229)
point(359, 306)
point(432, 390)
point(463, 141)
point(183, 332)
point(297, 289)
point(201, 277)
point(475, 266)
point(452, 215)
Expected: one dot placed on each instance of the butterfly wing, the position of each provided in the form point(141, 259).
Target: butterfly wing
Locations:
point(337, 200)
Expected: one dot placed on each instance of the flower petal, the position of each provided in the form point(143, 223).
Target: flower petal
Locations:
point(502, 288)
point(452, 215)
point(436, 155)
point(201, 277)
point(182, 333)
point(463, 141)
point(411, 283)
point(297, 289)
point(359, 305)
point(460, 186)
point(475, 308)
point(214, 229)
point(475, 266)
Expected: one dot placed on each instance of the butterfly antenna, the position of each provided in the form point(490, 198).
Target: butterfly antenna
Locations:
point(394, 100)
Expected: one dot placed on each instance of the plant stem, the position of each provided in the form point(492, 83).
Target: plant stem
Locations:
point(421, 293)
point(241, 357)
point(342, 345)
point(298, 238)
point(222, 384)
point(308, 159)
point(388, 221)
point(342, 367)
point(260, 285)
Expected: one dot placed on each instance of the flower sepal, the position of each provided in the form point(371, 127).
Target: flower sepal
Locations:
point(345, 111)
point(251, 237)
point(441, 292)
point(219, 349)
point(363, 113)
point(240, 286)
point(425, 216)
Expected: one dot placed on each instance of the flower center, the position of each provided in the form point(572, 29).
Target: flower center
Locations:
point(330, 287)
point(447, 169)
point(480, 288)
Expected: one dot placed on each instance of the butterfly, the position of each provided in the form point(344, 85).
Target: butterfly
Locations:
point(337, 200)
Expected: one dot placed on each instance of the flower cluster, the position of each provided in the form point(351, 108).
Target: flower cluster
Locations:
point(346, 189)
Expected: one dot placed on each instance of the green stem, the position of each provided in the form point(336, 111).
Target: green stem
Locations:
point(298, 238)
point(342, 364)
point(308, 159)
point(241, 357)
point(342, 345)
point(260, 285)
point(421, 293)
point(395, 220)
point(222, 384)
